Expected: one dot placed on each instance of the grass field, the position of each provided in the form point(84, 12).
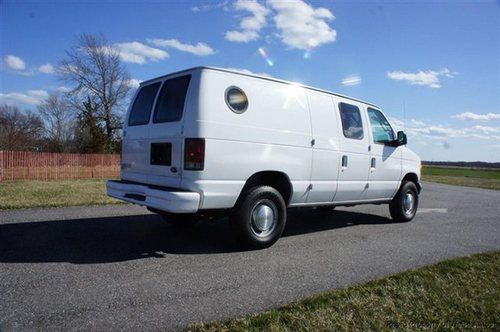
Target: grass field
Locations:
point(470, 177)
point(458, 294)
point(29, 194)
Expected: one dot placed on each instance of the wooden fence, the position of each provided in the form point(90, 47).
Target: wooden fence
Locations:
point(27, 165)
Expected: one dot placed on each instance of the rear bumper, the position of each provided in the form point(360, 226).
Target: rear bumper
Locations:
point(155, 197)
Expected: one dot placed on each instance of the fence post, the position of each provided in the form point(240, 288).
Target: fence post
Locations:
point(12, 165)
point(1, 165)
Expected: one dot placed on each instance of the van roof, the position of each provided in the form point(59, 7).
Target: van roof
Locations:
point(268, 78)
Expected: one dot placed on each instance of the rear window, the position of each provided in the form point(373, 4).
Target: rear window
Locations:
point(351, 121)
point(143, 103)
point(170, 102)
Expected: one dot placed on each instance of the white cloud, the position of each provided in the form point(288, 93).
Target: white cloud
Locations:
point(200, 49)
point(18, 65)
point(139, 53)
point(417, 123)
point(13, 62)
point(63, 89)
point(302, 26)
point(351, 80)
point(202, 8)
point(241, 36)
point(46, 69)
point(477, 117)
point(31, 97)
point(133, 83)
point(439, 131)
point(486, 129)
point(420, 128)
point(250, 26)
point(429, 78)
point(299, 25)
point(397, 124)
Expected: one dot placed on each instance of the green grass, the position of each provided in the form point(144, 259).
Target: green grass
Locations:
point(470, 177)
point(458, 294)
point(30, 194)
point(462, 172)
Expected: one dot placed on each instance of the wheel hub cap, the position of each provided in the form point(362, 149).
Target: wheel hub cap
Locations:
point(408, 203)
point(263, 219)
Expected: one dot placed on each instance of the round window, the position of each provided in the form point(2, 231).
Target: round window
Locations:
point(236, 99)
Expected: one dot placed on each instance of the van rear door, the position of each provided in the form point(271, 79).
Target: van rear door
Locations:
point(165, 132)
point(135, 144)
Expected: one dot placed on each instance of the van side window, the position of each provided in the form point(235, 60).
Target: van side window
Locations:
point(170, 103)
point(141, 110)
point(351, 121)
point(381, 129)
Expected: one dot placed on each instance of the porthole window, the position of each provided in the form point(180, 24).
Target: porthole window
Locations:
point(236, 99)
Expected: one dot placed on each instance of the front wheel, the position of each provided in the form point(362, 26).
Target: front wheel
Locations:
point(403, 206)
point(260, 217)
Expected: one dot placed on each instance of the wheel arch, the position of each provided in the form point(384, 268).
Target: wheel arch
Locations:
point(276, 179)
point(413, 177)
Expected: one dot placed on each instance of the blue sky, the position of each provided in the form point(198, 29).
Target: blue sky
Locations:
point(441, 59)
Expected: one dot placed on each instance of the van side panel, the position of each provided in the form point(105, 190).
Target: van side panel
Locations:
point(411, 163)
point(273, 134)
point(326, 150)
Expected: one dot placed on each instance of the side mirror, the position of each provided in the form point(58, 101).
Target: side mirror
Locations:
point(401, 140)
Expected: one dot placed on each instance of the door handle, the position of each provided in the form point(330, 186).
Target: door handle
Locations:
point(373, 163)
point(344, 161)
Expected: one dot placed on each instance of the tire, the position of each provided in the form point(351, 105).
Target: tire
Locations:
point(403, 206)
point(178, 220)
point(259, 217)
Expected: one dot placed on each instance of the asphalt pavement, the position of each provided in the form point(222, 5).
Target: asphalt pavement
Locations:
point(120, 267)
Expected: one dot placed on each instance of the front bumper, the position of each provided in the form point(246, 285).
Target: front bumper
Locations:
point(164, 199)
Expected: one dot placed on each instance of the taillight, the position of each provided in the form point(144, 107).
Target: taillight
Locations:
point(194, 154)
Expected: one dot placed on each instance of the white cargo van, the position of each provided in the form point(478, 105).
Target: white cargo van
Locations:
point(208, 140)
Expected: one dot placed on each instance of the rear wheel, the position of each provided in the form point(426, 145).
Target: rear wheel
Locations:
point(260, 217)
point(404, 205)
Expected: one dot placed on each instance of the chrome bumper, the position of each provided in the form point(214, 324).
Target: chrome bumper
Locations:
point(157, 198)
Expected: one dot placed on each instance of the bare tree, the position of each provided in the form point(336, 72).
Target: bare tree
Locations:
point(19, 130)
point(97, 74)
point(59, 122)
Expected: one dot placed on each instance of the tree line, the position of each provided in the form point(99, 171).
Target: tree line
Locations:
point(85, 119)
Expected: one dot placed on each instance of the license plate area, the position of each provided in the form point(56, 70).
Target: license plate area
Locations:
point(161, 154)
